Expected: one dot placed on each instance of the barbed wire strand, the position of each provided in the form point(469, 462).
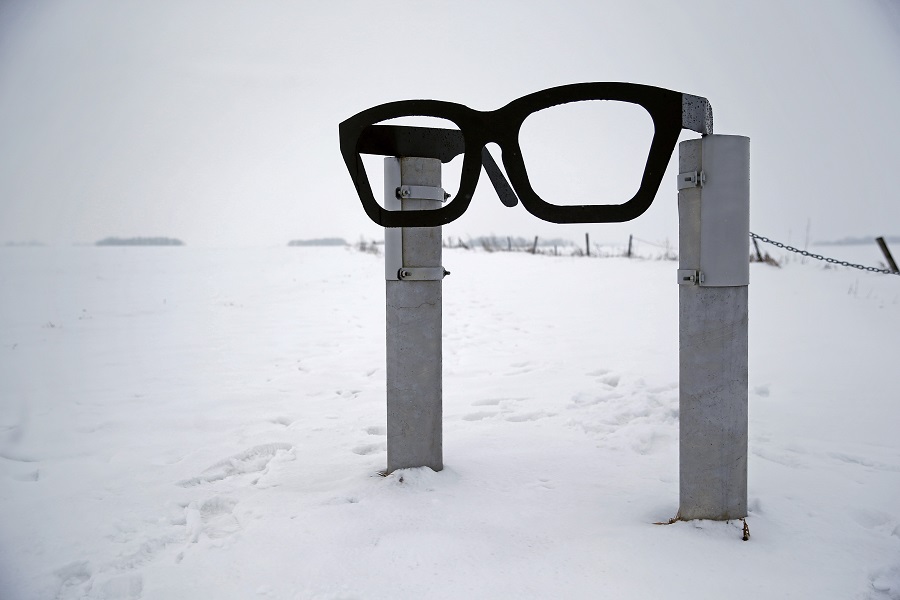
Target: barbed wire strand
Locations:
point(833, 261)
point(637, 239)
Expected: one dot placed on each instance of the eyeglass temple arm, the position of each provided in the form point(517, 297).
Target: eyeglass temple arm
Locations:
point(696, 114)
point(431, 142)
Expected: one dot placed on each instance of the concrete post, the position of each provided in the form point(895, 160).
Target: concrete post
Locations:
point(713, 207)
point(413, 337)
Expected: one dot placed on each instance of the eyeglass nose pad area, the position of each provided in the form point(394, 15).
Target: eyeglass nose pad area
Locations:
point(501, 185)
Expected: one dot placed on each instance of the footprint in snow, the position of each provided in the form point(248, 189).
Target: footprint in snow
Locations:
point(584, 399)
point(251, 461)
point(610, 379)
point(497, 401)
point(885, 581)
point(366, 449)
point(531, 416)
point(71, 576)
point(871, 519)
point(123, 587)
point(478, 416)
point(598, 373)
point(520, 368)
point(487, 402)
point(214, 517)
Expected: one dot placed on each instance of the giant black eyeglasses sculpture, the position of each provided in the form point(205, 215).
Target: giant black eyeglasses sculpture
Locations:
point(363, 134)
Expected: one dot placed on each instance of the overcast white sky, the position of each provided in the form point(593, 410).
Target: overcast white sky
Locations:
point(215, 121)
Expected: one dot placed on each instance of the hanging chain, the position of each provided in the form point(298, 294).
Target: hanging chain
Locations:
point(833, 261)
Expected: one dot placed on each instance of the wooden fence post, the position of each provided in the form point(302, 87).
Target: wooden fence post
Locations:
point(758, 253)
point(887, 254)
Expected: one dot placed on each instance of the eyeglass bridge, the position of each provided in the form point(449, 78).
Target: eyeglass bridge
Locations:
point(432, 142)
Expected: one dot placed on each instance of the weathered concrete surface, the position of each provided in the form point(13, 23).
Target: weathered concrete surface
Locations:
point(414, 326)
point(713, 398)
point(713, 402)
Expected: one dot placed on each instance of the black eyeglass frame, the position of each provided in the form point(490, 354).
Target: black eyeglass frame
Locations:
point(670, 111)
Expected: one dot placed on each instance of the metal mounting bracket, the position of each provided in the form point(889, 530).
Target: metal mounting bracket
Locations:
point(692, 179)
point(394, 196)
point(421, 273)
point(421, 192)
point(690, 277)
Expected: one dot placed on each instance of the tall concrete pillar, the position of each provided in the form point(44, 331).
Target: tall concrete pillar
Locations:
point(714, 224)
point(413, 274)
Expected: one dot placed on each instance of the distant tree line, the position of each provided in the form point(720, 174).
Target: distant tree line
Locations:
point(140, 241)
point(860, 241)
point(319, 242)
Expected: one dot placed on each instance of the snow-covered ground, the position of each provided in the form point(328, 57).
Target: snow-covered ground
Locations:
point(200, 423)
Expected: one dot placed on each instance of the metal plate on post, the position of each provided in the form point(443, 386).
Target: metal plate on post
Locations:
point(393, 236)
point(714, 211)
point(725, 211)
point(394, 196)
